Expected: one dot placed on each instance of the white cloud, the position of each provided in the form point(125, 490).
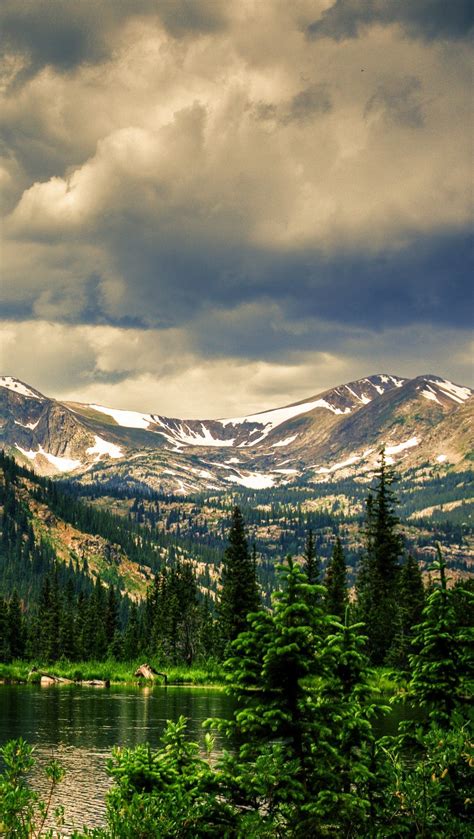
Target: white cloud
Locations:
point(157, 372)
point(166, 179)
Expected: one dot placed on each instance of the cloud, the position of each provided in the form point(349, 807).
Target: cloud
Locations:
point(424, 19)
point(228, 191)
point(161, 371)
point(66, 35)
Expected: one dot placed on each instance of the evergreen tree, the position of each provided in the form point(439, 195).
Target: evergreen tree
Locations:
point(279, 717)
point(67, 640)
point(377, 582)
point(131, 641)
point(335, 582)
point(312, 563)
point(304, 765)
point(15, 627)
point(5, 654)
point(49, 620)
point(346, 693)
point(442, 662)
point(411, 600)
point(111, 615)
point(239, 592)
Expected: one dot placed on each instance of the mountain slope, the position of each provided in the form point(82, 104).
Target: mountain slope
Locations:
point(337, 432)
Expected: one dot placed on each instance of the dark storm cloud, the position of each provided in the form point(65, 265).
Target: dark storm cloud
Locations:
point(400, 100)
point(66, 34)
point(248, 303)
point(425, 19)
point(312, 100)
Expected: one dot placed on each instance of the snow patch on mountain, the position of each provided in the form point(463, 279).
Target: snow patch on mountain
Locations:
point(256, 481)
point(127, 419)
point(285, 442)
point(62, 464)
point(408, 444)
point(456, 392)
point(18, 387)
point(101, 447)
point(272, 419)
point(30, 425)
point(431, 395)
point(186, 435)
point(362, 398)
point(326, 470)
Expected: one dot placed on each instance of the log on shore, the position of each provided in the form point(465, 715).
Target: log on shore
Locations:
point(146, 671)
point(49, 679)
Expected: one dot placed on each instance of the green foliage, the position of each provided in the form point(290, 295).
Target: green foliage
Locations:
point(23, 812)
point(312, 563)
point(377, 583)
point(239, 593)
point(336, 583)
point(411, 600)
point(442, 661)
point(430, 796)
point(302, 686)
point(168, 792)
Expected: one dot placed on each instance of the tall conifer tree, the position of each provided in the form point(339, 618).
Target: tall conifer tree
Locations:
point(239, 592)
point(335, 582)
point(312, 563)
point(378, 574)
point(411, 600)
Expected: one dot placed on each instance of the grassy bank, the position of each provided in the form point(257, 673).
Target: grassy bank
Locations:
point(117, 672)
point(384, 682)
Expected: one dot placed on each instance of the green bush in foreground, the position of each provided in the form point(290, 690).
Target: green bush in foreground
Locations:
point(22, 811)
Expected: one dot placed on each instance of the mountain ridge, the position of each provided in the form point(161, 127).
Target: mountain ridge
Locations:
point(330, 433)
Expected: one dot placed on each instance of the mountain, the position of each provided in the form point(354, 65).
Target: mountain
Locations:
point(426, 420)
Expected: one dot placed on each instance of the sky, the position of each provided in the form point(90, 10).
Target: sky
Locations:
point(215, 207)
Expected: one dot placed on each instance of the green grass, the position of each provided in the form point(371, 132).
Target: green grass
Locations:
point(386, 681)
point(116, 671)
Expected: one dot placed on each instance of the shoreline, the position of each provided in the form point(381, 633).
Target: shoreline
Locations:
point(105, 674)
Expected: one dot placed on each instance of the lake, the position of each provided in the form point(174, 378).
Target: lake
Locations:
point(80, 725)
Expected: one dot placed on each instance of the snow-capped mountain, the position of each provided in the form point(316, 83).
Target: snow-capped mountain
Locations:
point(326, 436)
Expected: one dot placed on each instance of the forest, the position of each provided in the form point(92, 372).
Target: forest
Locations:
point(305, 758)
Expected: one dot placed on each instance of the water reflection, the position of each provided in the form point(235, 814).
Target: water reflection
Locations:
point(80, 725)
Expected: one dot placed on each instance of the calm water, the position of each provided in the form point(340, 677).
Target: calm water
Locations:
point(80, 725)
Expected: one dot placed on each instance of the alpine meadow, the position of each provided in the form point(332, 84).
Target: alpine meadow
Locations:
point(236, 419)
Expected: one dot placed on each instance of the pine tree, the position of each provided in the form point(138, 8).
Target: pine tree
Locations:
point(67, 638)
point(239, 593)
point(335, 582)
point(304, 765)
point(312, 563)
point(442, 662)
point(346, 693)
point(377, 581)
point(131, 641)
point(5, 654)
point(111, 615)
point(411, 600)
point(15, 628)
point(279, 717)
